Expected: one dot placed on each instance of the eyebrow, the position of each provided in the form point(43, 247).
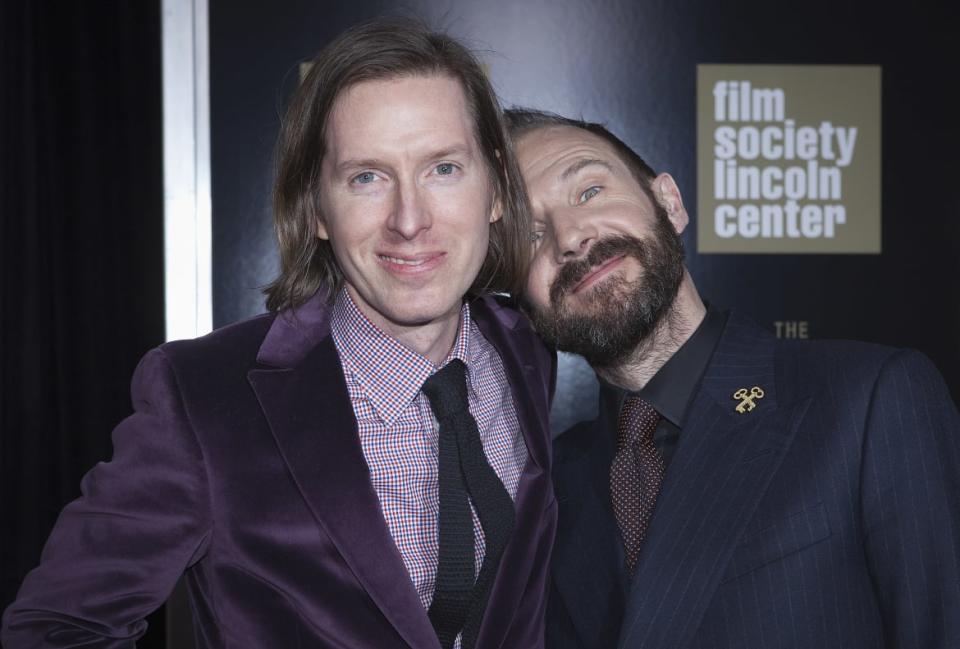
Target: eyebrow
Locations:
point(449, 152)
point(579, 165)
point(359, 163)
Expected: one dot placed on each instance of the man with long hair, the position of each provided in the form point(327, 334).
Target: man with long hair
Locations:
point(367, 465)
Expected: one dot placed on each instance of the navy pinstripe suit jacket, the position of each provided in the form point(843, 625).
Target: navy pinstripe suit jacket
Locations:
point(829, 517)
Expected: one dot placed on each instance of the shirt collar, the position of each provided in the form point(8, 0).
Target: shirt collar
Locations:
point(389, 374)
point(674, 385)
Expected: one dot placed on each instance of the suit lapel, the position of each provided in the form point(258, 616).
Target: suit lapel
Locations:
point(720, 472)
point(306, 403)
point(515, 342)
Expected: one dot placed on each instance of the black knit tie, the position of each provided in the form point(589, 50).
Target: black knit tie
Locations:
point(459, 601)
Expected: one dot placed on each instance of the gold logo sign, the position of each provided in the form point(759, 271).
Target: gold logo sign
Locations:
point(788, 159)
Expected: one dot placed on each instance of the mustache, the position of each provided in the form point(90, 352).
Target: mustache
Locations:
point(571, 273)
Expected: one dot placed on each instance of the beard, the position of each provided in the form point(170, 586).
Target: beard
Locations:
point(616, 316)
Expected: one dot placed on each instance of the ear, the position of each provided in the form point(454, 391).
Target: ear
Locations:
point(496, 209)
point(496, 205)
point(322, 228)
point(666, 192)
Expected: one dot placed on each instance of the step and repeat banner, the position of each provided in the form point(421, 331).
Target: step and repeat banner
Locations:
point(817, 158)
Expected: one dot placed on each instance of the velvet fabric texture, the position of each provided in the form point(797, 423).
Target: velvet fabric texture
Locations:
point(242, 466)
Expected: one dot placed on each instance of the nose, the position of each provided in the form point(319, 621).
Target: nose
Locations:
point(410, 214)
point(573, 235)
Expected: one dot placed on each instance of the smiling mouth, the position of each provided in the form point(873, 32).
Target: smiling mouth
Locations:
point(596, 273)
point(404, 262)
point(419, 263)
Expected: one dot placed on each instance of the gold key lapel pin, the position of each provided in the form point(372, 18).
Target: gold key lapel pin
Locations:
point(747, 399)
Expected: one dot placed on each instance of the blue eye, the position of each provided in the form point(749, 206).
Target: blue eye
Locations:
point(536, 236)
point(589, 193)
point(365, 178)
point(445, 169)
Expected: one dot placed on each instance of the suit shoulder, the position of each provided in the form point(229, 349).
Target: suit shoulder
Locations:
point(236, 343)
point(501, 309)
point(814, 353)
point(503, 312)
point(831, 362)
point(503, 301)
point(827, 354)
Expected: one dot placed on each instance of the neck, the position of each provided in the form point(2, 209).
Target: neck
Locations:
point(674, 329)
point(433, 339)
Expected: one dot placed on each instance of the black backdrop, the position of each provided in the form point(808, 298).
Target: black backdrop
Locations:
point(81, 193)
point(633, 65)
point(81, 249)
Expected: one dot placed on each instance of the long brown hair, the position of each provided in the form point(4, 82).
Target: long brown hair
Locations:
point(376, 50)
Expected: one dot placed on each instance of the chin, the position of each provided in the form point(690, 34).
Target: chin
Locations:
point(414, 312)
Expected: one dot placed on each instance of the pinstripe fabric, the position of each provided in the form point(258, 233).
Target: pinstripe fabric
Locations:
point(828, 518)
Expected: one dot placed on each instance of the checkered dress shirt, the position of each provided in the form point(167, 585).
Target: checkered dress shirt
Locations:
point(399, 434)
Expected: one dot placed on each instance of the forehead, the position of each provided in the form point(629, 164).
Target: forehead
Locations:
point(404, 112)
point(546, 153)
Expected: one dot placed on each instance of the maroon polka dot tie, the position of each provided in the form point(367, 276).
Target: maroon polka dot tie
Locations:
point(635, 475)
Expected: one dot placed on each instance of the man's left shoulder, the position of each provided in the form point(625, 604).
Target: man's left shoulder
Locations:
point(499, 308)
point(852, 359)
point(812, 353)
point(834, 364)
point(505, 326)
point(494, 312)
point(865, 379)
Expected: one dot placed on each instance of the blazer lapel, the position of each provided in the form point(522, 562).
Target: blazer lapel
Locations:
point(513, 339)
point(305, 400)
point(720, 472)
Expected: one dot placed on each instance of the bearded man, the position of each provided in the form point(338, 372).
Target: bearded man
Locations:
point(735, 490)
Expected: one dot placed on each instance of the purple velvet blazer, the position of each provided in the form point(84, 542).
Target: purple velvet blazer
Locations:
point(242, 468)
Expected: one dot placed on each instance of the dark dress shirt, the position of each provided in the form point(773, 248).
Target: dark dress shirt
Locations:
point(671, 389)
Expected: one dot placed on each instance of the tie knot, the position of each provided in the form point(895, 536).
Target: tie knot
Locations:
point(638, 420)
point(447, 390)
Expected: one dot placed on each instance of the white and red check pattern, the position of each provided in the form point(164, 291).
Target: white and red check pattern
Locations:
point(399, 434)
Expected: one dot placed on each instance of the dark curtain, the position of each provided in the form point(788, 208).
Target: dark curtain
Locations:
point(81, 249)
